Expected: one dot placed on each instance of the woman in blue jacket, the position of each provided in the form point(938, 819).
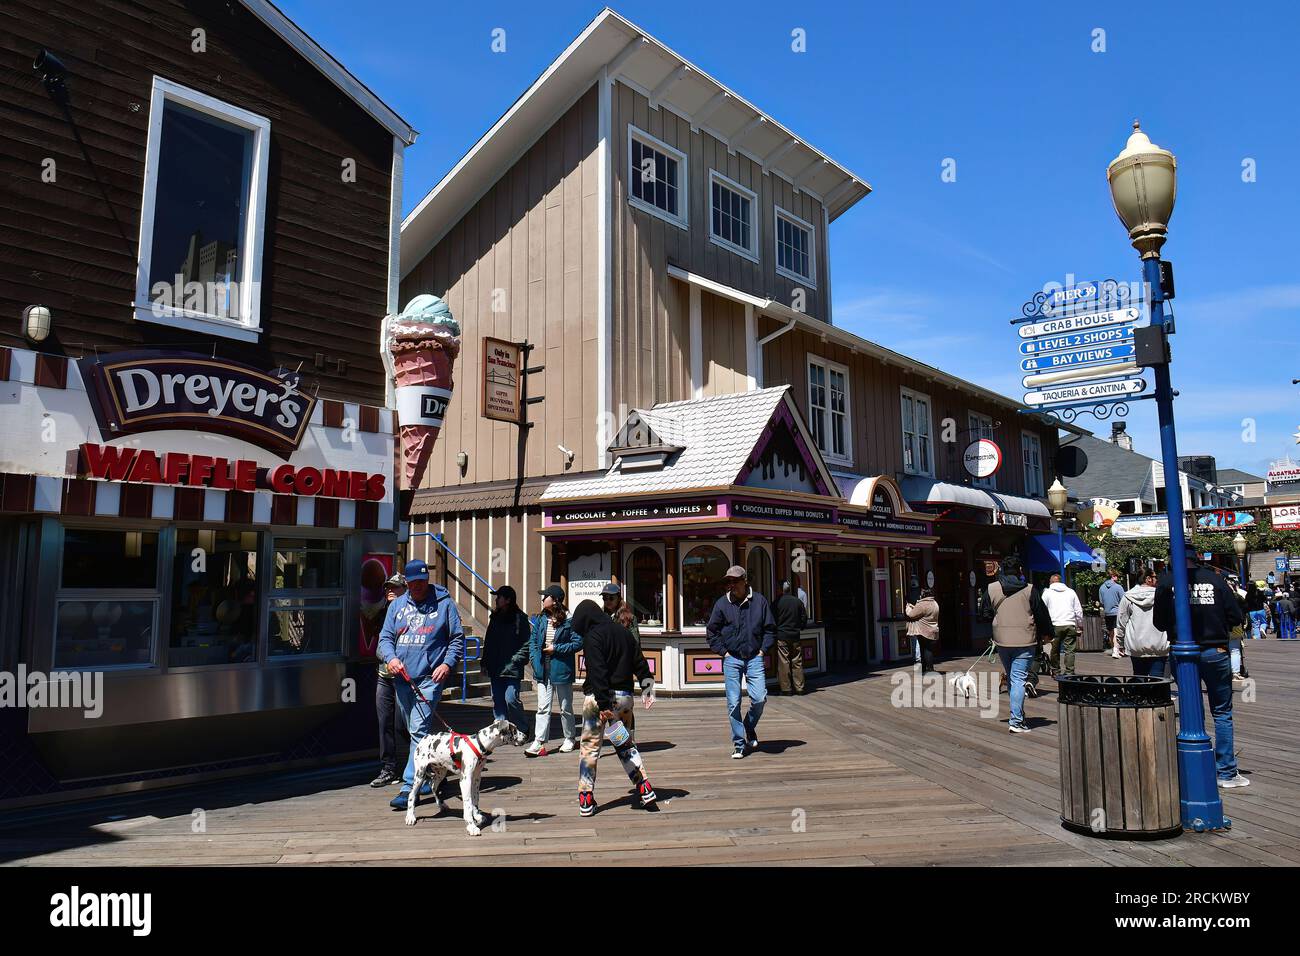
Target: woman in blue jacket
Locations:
point(553, 647)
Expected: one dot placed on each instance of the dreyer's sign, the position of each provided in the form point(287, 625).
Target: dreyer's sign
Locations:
point(153, 390)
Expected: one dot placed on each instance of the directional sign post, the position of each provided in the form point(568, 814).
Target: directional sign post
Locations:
point(1077, 358)
point(1081, 323)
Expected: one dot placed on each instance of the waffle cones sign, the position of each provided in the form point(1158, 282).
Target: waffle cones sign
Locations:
point(502, 374)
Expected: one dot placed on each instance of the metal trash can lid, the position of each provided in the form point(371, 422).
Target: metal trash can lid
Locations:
point(1114, 690)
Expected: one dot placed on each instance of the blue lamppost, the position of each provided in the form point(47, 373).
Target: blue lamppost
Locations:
point(1143, 183)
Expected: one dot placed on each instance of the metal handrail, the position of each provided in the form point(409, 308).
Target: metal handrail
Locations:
point(464, 671)
point(438, 538)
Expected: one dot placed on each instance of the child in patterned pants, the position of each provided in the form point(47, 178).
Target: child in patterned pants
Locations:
point(594, 724)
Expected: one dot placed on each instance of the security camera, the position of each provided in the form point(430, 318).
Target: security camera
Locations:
point(568, 455)
point(52, 73)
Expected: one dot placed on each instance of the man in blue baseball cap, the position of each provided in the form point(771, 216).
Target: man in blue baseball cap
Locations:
point(422, 641)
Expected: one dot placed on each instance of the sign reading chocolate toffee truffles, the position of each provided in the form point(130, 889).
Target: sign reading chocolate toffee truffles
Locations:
point(636, 511)
point(159, 389)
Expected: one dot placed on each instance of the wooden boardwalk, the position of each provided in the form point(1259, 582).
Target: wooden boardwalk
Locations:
point(843, 777)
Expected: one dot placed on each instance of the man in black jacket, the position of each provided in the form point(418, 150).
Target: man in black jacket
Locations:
point(791, 617)
point(740, 629)
point(612, 659)
point(1215, 612)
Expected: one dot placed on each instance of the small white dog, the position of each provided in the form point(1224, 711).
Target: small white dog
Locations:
point(964, 684)
point(441, 754)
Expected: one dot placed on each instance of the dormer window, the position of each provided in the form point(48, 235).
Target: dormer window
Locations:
point(637, 446)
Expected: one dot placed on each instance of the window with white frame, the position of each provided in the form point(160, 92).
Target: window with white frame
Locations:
point(1032, 450)
point(918, 443)
point(794, 248)
point(981, 426)
point(828, 409)
point(202, 214)
point(656, 177)
point(731, 222)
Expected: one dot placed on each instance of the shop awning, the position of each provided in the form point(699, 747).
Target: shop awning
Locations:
point(1043, 552)
point(1014, 504)
point(920, 490)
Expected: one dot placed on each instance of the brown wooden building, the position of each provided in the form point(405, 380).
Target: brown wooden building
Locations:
point(198, 246)
point(662, 243)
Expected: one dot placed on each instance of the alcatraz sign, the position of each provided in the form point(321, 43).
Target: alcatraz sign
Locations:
point(158, 389)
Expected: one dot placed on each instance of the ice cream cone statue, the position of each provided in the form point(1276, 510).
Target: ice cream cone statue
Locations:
point(423, 342)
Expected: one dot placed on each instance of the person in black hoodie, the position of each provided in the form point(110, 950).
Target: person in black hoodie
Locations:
point(505, 651)
point(612, 660)
point(1215, 612)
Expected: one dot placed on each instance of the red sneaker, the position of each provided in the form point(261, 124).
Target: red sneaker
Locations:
point(646, 793)
point(586, 802)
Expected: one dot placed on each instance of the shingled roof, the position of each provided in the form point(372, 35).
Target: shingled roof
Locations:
point(717, 435)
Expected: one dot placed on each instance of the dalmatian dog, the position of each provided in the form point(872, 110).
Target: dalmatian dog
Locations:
point(441, 754)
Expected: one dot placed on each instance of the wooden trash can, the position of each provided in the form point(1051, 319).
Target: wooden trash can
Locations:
point(1119, 760)
point(1093, 637)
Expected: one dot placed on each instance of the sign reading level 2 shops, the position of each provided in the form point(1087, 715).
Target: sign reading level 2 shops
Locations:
point(157, 389)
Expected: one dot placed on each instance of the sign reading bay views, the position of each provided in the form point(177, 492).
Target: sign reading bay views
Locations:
point(159, 389)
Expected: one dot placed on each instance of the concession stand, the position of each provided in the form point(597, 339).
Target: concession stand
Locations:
point(700, 485)
point(206, 534)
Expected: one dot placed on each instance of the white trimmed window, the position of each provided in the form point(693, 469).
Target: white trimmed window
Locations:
point(731, 220)
point(981, 426)
point(656, 177)
point(795, 256)
point(202, 214)
point(828, 409)
point(918, 442)
point(1031, 449)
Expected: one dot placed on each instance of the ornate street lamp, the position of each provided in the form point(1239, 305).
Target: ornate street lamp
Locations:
point(1057, 496)
point(1241, 547)
point(1143, 183)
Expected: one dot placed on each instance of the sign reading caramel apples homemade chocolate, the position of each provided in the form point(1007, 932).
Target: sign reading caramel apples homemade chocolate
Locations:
point(158, 389)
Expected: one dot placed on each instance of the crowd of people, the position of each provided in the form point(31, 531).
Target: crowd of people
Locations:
point(422, 641)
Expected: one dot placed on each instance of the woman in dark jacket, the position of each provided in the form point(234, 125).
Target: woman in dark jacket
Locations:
point(505, 649)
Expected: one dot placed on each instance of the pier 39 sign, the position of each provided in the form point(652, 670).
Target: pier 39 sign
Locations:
point(155, 390)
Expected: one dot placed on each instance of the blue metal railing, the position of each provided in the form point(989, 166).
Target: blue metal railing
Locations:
point(442, 543)
point(475, 655)
point(470, 641)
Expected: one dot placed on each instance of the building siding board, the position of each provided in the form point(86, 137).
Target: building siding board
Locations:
point(326, 242)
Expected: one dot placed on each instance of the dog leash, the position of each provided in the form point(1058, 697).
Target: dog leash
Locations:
point(455, 735)
point(987, 653)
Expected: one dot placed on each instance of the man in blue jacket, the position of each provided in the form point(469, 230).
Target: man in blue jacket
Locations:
point(1111, 593)
point(741, 628)
point(422, 641)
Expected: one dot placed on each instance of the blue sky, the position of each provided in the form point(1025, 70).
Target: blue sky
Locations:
point(1015, 94)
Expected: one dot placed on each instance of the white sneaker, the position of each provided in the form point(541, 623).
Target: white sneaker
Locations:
point(536, 749)
point(1233, 782)
point(1019, 729)
point(568, 746)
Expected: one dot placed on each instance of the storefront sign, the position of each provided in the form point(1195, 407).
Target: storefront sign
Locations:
point(113, 463)
point(874, 522)
point(1011, 519)
point(502, 380)
point(1224, 520)
point(781, 512)
point(158, 389)
point(636, 511)
point(1141, 526)
point(982, 458)
point(1286, 517)
point(1283, 473)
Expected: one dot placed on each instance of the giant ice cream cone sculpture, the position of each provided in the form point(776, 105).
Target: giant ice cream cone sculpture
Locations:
point(423, 342)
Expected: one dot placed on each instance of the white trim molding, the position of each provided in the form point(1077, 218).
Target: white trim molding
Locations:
point(247, 326)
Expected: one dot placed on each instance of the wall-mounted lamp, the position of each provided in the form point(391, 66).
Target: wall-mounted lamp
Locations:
point(52, 73)
point(37, 321)
point(568, 456)
point(462, 462)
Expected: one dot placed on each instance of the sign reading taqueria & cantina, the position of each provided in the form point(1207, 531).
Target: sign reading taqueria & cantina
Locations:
point(155, 390)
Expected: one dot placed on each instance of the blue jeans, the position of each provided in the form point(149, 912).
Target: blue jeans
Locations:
point(1016, 661)
point(733, 668)
point(1257, 621)
point(1148, 666)
point(418, 717)
point(506, 704)
point(1234, 651)
point(1216, 674)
